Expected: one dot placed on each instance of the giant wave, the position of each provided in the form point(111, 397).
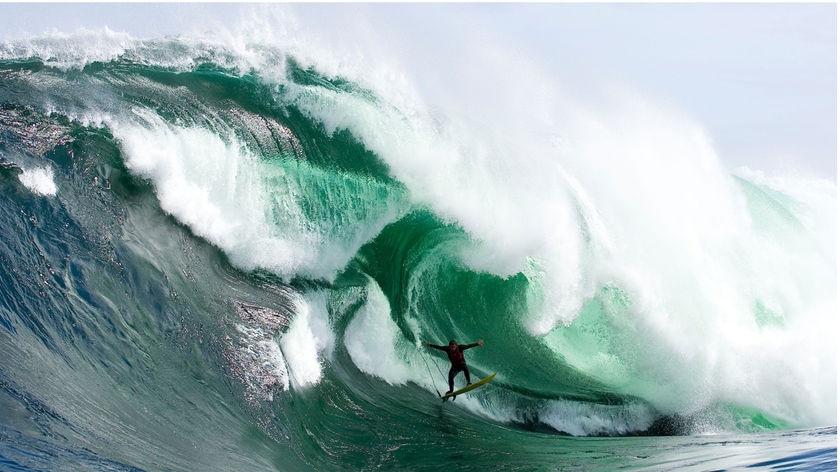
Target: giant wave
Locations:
point(207, 243)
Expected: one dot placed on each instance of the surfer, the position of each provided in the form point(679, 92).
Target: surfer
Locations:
point(455, 352)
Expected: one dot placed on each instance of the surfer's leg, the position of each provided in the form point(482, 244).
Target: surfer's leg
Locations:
point(452, 371)
point(467, 374)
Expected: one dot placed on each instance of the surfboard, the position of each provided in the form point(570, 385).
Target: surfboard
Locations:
point(467, 388)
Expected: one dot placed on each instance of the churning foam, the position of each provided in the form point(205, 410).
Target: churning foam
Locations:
point(375, 342)
point(39, 180)
point(308, 341)
point(215, 185)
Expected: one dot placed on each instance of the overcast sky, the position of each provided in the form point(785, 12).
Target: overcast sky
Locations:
point(761, 78)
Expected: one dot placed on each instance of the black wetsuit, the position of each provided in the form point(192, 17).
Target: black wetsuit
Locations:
point(456, 357)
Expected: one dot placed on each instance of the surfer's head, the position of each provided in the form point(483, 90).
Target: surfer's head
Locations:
point(452, 342)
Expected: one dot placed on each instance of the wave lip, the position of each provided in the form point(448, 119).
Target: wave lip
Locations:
point(71, 51)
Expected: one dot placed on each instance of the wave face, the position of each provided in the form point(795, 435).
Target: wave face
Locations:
point(231, 258)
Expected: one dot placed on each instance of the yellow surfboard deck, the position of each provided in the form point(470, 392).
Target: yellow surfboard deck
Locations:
point(467, 388)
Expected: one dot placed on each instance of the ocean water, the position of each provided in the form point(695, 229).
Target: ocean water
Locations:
point(227, 255)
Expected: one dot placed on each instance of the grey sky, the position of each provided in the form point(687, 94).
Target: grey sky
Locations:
point(761, 78)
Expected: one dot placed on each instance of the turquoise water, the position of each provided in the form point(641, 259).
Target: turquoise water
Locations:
point(212, 261)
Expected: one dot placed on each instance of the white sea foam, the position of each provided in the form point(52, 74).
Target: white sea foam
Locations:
point(308, 342)
point(587, 419)
point(374, 341)
point(214, 185)
point(39, 180)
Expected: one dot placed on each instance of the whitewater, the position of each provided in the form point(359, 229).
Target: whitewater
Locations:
point(228, 250)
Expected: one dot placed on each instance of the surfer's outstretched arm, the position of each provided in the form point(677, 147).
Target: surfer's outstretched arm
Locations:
point(467, 346)
point(435, 346)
